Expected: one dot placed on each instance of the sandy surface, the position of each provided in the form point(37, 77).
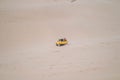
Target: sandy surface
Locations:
point(30, 28)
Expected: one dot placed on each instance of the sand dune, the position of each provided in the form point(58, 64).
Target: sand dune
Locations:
point(30, 28)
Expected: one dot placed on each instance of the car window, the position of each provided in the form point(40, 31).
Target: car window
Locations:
point(61, 40)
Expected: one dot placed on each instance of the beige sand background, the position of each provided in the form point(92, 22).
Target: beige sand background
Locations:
point(30, 28)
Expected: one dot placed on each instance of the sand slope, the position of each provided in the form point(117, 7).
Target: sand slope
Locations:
point(29, 30)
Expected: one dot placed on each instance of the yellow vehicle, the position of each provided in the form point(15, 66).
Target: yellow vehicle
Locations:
point(61, 42)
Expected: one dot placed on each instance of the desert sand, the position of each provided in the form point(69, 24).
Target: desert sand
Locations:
point(30, 28)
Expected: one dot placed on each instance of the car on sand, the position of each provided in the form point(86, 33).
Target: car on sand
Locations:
point(61, 42)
